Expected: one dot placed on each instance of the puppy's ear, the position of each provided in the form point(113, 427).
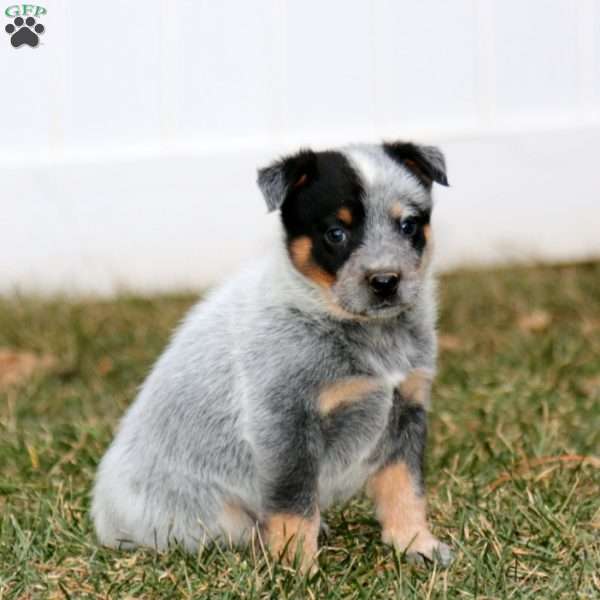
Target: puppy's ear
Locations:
point(286, 176)
point(427, 163)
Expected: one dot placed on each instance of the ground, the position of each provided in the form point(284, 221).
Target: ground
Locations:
point(513, 468)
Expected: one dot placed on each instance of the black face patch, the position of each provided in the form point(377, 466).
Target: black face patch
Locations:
point(323, 208)
point(419, 241)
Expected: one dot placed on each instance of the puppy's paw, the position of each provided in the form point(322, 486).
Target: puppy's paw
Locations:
point(324, 529)
point(440, 553)
point(422, 548)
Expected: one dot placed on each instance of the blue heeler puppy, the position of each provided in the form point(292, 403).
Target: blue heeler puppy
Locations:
point(302, 380)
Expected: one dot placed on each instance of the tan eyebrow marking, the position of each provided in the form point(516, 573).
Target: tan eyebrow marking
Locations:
point(427, 232)
point(396, 211)
point(426, 257)
point(301, 181)
point(344, 215)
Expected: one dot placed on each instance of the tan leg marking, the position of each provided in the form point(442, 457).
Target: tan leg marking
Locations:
point(290, 534)
point(300, 251)
point(416, 387)
point(346, 391)
point(396, 211)
point(344, 215)
point(236, 523)
point(400, 510)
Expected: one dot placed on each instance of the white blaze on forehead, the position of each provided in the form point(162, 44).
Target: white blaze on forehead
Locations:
point(365, 164)
point(376, 169)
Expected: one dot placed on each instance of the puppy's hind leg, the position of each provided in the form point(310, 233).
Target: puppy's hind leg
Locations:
point(237, 524)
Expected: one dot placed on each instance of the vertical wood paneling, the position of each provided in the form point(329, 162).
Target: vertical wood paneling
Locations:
point(228, 74)
point(595, 64)
point(485, 57)
point(536, 57)
point(329, 70)
point(170, 44)
point(426, 63)
point(586, 21)
point(230, 53)
point(114, 68)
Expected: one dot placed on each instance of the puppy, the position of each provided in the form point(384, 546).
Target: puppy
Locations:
point(300, 381)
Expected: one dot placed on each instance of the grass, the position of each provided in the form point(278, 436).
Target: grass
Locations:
point(516, 408)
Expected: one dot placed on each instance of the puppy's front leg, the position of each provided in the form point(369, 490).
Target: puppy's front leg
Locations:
point(398, 488)
point(288, 447)
point(290, 535)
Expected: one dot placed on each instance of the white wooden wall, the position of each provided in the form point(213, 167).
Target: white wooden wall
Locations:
point(129, 138)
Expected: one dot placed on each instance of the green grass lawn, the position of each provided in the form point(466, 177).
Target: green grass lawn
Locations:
point(516, 407)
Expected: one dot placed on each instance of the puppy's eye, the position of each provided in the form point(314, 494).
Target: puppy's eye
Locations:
point(336, 235)
point(409, 227)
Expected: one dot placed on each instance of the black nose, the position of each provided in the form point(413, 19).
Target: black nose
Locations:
point(384, 284)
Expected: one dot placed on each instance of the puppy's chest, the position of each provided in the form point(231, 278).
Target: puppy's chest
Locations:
point(358, 432)
point(384, 354)
point(355, 449)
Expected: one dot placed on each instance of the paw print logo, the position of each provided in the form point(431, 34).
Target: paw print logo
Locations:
point(24, 32)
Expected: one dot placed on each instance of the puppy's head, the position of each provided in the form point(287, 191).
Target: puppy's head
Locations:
point(357, 222)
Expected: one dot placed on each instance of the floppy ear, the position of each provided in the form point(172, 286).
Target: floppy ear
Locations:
point(285, 176)
point(427, 163)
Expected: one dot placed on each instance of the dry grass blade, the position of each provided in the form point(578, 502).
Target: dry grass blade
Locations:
point(531, 463)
